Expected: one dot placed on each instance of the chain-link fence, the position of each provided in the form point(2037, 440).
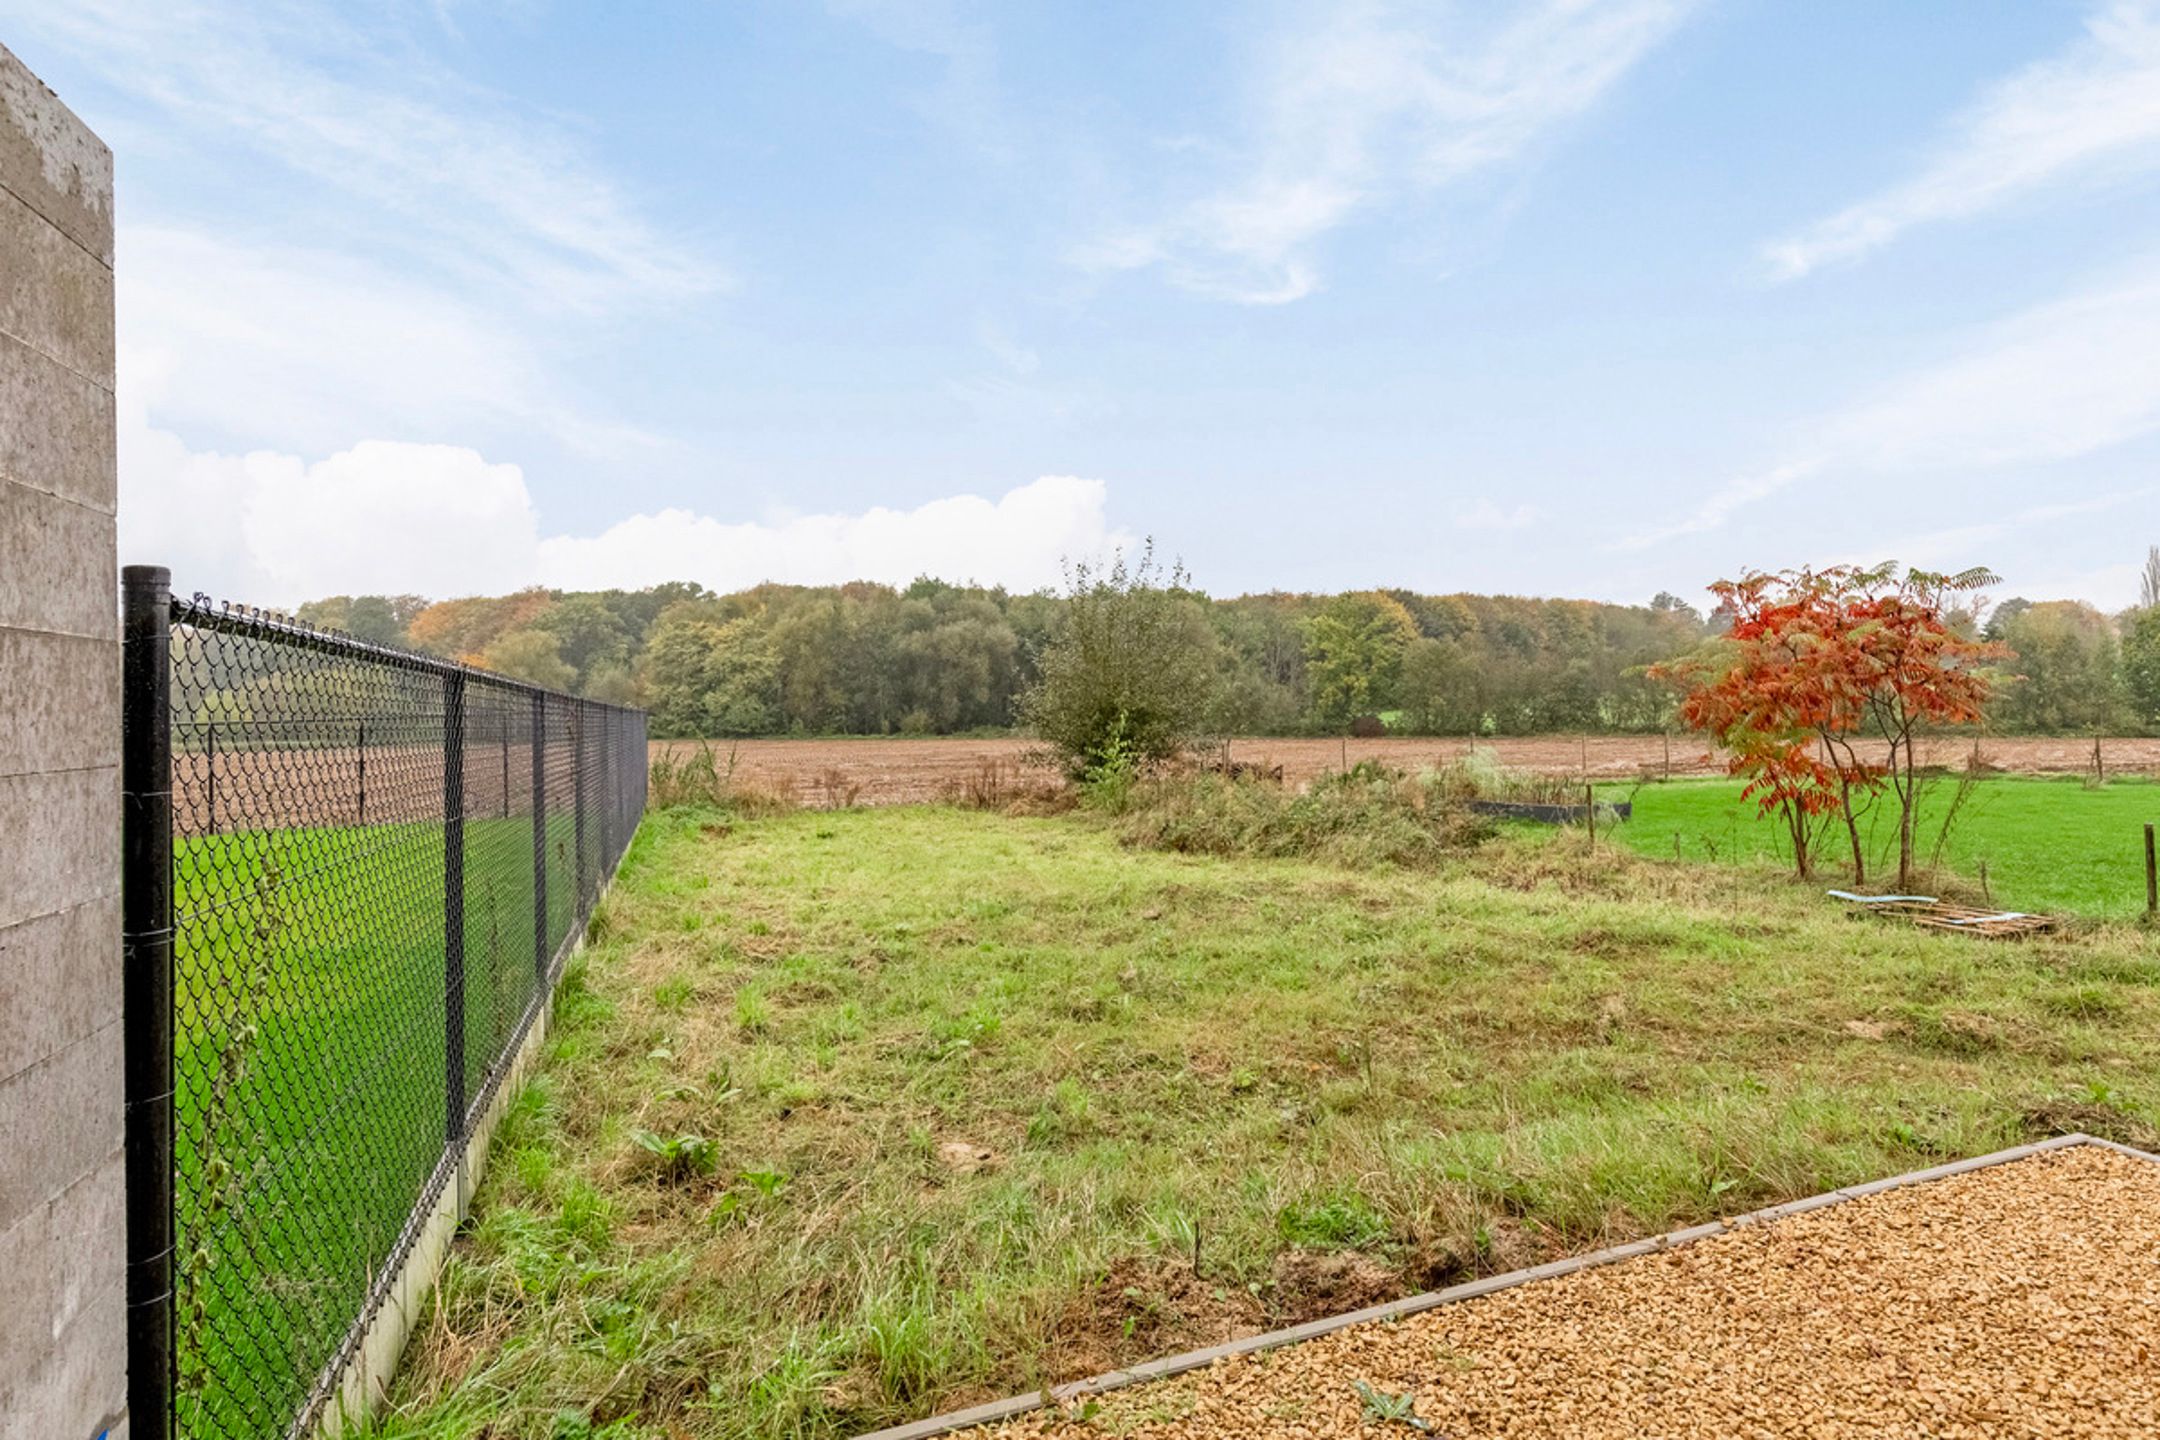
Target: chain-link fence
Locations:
point(353, 875)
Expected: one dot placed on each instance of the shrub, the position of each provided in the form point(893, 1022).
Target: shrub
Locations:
point(1130, 671)
point(1371, 815)
point(1480, 776)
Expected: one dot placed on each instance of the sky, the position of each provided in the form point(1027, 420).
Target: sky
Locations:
point(1581, 297)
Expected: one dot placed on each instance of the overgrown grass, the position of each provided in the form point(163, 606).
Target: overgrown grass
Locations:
point(2047, 844)
point(852, 1117)
point(702, 773)
point(1368, 815)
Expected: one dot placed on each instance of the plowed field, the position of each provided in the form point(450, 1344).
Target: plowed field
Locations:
point(898, 772)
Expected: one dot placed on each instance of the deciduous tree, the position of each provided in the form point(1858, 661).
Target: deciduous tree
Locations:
point(2141, 665)
point(531, 655)
point(1354, 652)
point(2068, 670)
point(1815, 658)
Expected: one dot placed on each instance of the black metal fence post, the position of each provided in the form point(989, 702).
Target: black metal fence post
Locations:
point(542, 950)
point(578, 897)
point(454, 903)
point(147, 990)
point(209, 760)
point(363, 772)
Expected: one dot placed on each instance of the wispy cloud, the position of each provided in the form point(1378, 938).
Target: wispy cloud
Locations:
point(309, 349)
point(966, 98)
point(2058, 382)
point(1489, 515)
point(1958, 545)
point(415, 154)
point(1372, 102)
point(2092, 110)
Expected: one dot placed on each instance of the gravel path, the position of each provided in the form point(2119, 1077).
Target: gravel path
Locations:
point(2018, 1300)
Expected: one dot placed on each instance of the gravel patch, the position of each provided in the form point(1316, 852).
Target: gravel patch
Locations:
point(2022, 1299)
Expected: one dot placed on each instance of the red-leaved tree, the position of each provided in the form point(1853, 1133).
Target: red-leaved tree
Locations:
point(1816, 660)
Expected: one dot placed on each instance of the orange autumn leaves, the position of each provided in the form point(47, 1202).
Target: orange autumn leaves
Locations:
point(1817, 659)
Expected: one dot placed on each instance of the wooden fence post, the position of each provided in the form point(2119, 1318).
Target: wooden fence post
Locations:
point(2152, 875)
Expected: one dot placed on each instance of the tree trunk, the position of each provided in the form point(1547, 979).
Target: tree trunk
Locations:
point(1841, 757)
point(1907, 798)
point(1796, 821)
point(1852, 831)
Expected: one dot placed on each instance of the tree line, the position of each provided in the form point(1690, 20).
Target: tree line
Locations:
point(935, 658)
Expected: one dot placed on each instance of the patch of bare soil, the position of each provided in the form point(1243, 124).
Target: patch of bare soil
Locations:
point(1146, 1308)
point(1314, 1284)
point(1143, 1309)
point(965, 1157)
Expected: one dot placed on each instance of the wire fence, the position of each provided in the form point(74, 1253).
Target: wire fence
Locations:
point(353, 875)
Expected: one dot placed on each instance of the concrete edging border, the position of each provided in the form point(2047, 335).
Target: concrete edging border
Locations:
point(362, 1382)
point(999, 1410)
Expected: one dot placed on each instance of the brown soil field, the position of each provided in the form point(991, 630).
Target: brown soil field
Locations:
point(907, 771)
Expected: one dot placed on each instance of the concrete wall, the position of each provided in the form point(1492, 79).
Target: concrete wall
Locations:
point(62, 1212)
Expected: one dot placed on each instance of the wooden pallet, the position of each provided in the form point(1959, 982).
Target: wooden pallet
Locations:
point(1934, 914)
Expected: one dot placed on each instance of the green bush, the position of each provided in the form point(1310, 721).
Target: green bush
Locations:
point(1129, 672)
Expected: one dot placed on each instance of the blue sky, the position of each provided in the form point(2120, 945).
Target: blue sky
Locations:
point(1562, 298)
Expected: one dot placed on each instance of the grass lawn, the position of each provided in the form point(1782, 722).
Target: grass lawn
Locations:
point(2048, 844)
point(310, 1104)
point(853, 1117)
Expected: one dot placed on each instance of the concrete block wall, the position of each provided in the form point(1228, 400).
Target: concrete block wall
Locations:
point(63, 1362)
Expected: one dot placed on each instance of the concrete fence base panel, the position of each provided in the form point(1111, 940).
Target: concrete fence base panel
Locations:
point(1001, 1410)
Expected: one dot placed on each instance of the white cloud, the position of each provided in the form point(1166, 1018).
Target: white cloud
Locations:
point(1375, 101)
point(2092, 110)
point(425, 159)
point(1019, 540)
point(2059, 382)
point(1487, 515)
point(439, 520)
point(273, 529)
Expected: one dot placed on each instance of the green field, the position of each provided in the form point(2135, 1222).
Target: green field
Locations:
point(2050, 845)
point(311, 1081)
point(852, 1117)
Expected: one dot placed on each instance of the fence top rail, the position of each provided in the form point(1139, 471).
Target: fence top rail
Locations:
point(200, 612)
